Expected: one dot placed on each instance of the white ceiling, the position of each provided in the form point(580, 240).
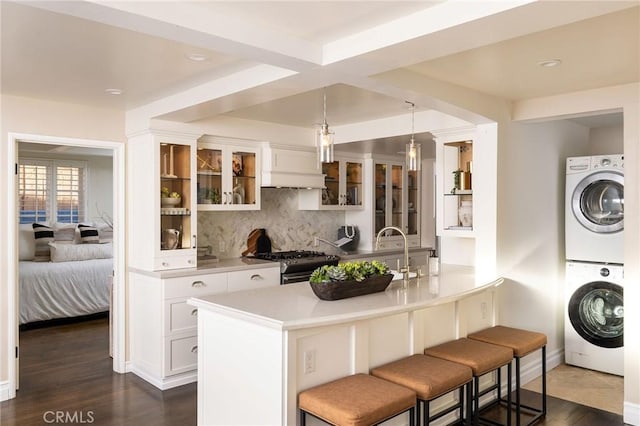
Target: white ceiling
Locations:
point(269, 60)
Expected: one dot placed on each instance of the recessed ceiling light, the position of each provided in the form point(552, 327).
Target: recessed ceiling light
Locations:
point(550, 63)
point(114, 92)
point(197, 57)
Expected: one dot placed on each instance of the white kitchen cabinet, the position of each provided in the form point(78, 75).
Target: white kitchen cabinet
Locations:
point(253, 278)
point(457, 160)
point(160, 163)
point(343, 186)
point(228, 175)
point(164, 348)
point(391, 198)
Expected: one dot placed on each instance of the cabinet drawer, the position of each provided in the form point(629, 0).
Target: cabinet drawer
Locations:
point(175, 262)
point(181, 355)
point(253, 278)
point(181, 317)
point(196, 285)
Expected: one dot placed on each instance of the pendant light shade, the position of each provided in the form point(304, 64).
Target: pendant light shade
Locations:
point(413, 154)
point(324, 137)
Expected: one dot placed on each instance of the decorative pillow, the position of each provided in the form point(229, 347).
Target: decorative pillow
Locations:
point(106, 233)
point(26, 242)
point(43, 236)
point(61, 252)
point(89, 234)
point(64, 232)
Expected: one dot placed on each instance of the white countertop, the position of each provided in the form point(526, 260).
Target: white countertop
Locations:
point(295, 306)
point(223, 265)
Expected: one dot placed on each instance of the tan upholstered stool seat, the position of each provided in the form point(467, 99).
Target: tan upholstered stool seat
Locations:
point(428, 376)
point(358, 400)
point(522, 342)
point(480, 357)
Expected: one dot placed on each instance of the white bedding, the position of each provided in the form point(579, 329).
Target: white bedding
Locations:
point(51, 290)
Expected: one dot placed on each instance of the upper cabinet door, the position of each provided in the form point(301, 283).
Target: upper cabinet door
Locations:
point(227, 177)
point(161, 181)
point(343, 187)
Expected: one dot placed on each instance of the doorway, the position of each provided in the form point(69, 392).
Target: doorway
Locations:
point(118, 208)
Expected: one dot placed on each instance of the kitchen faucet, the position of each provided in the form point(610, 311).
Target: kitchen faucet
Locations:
point(405, 268)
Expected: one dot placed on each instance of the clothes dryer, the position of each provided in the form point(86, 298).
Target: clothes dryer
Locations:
point(594, 317)
point(594, 213)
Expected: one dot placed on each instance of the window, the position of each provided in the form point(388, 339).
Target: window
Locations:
point(51, 191)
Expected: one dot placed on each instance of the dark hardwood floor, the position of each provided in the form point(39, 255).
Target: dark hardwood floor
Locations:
point(66, 371)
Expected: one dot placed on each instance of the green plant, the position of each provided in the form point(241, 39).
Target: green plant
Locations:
point(456, 180)
point(348, 271)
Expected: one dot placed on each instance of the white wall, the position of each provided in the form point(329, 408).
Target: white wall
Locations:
point(625, 98)
point(531, 226)
point(33, 116)
point(606, 140)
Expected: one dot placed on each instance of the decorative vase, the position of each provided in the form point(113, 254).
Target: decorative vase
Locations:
point(465, 213)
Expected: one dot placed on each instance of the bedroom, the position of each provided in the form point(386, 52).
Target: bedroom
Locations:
point(66, 273)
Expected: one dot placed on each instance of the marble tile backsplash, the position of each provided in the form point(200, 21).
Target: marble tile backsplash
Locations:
point(288, 227)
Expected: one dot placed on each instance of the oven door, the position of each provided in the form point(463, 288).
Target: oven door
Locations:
point(295, 277)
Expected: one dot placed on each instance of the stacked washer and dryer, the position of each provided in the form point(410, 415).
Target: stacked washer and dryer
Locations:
point(594, 227)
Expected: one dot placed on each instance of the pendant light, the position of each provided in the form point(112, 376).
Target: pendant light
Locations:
point(324, 138)
point(413, 158)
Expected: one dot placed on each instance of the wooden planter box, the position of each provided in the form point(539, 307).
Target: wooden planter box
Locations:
point(345, 289)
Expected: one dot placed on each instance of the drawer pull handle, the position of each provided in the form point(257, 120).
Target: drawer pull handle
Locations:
point(194, 313)
point(165, 264)
point(198, 284)
point(190, 261)
point(257, 277)
point(194, 349)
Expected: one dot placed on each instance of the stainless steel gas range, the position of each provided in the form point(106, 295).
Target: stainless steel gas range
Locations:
point(297, 265)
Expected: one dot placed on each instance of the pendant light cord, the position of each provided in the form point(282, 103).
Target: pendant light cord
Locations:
point(413, 110)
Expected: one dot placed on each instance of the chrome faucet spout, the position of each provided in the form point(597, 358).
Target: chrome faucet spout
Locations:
point(405, 268)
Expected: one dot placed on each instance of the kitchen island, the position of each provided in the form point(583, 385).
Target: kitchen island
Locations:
point(257, 349)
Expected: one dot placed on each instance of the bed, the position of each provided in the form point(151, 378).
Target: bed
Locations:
point(72, 280)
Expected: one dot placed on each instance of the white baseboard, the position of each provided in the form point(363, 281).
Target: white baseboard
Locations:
point(128, 367)
point(631, 414)
point(533, 368)
point(166, 383)
point(4, 390)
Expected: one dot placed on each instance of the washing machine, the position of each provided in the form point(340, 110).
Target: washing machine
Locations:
point(594, 317)
point(594, 213)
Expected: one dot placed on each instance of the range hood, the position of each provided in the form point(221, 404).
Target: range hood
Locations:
point(286, 166)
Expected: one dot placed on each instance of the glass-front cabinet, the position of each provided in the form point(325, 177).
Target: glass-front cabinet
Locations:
point(175, 197)
point(161, 203)
point(343, 186)
point(227, 177)
point(458, 190)
point(413, 203)
point(389, 196)
point(397, 203)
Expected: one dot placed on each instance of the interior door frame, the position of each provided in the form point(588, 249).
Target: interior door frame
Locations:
point(119, 286)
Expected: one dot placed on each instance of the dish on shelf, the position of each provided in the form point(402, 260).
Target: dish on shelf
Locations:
point(169, 202)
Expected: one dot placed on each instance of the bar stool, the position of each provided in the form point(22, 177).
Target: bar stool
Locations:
point(482, 358)
point(522, 342)
point(430, 378)
point(357, 400)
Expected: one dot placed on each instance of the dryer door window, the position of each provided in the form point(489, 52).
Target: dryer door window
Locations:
point(596, 312)
point(598, 202)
